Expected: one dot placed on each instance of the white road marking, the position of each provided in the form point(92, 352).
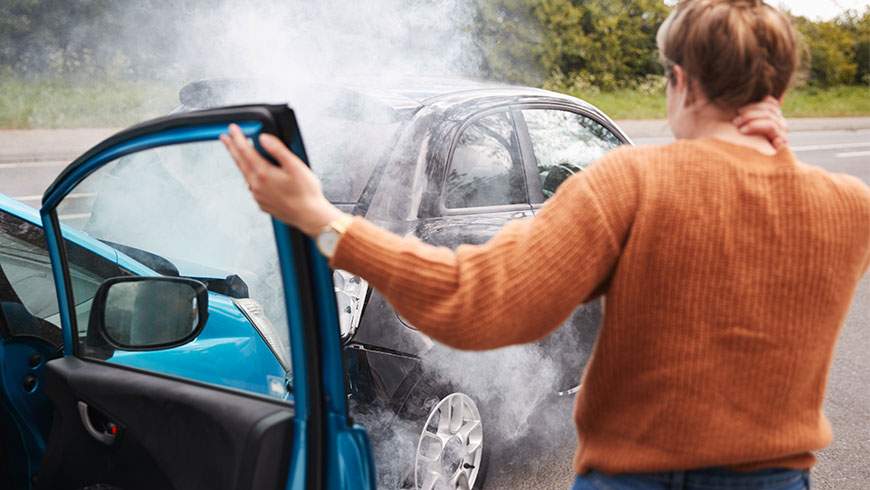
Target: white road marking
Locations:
point(38, 197)
point(854, 154)
point(48, 163)
point(74, 216)
point(840, 146)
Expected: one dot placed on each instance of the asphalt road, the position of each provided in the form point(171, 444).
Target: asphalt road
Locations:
point(29, 161)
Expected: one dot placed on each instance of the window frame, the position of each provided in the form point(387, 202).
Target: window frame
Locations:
point(533, 185)
point(498, 208)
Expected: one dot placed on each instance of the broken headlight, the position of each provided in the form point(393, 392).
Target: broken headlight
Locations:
point(350, 296)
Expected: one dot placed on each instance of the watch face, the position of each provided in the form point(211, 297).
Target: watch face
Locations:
point(327, 241)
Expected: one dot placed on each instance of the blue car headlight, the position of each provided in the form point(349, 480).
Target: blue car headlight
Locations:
point(253, 311)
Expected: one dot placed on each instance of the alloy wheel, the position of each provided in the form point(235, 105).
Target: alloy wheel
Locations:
point(450, 449)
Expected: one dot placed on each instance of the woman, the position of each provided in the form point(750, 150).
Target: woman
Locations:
point(728, 267)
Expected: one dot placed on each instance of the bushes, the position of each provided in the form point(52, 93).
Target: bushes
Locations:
point(610, 44)
point(601, 43)
point(838, 50)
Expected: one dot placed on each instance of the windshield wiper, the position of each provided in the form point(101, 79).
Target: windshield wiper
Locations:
point(232, 285)
point(153, 261)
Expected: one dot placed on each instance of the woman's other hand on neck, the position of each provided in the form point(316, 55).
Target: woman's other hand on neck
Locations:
point(728, 132)
point(691, 115)
point(708, 121)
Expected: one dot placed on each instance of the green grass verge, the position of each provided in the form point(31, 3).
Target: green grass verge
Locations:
point(831, 102)
point(60, 104)
point(844, 101)
point(628, 104)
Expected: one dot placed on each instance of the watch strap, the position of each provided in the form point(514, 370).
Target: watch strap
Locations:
point(340, 225)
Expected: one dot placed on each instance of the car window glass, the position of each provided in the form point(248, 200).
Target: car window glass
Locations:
point(25, 270)
point(485, 169)
point(26, 278)
point(184, 210)
point(565, 143)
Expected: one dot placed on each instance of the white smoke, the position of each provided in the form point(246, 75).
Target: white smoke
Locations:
point(309, 41)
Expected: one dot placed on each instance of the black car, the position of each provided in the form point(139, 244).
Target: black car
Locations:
point(449, 162)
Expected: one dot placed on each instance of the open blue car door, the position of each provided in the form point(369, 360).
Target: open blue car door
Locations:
point(170, 380)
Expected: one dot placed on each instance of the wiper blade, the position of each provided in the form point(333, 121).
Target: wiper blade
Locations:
point(232, 285)
point(153, 261)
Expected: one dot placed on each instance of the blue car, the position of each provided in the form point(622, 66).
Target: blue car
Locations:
point(236, 330)
point(211, 361)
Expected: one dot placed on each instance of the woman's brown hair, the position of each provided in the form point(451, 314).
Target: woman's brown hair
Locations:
point(736, 51)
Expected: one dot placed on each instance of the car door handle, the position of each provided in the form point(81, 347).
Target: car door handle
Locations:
point(106, 436)
point(519, 215)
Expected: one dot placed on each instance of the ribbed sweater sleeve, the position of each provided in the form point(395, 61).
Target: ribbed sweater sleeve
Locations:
point(521, 284)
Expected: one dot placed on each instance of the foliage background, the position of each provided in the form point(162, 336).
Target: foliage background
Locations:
point(610, 44)
point(108, 55)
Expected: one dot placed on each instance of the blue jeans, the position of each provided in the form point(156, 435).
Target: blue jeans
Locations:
point(711, 479)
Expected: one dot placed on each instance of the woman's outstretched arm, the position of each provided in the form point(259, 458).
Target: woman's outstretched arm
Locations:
point(521, 284)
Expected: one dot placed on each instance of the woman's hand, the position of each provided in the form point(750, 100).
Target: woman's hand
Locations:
point(291, 192)
point(764, 119)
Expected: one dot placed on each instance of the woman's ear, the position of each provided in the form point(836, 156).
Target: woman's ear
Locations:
point(684, 86)
point(678, 77)
point(680, 85)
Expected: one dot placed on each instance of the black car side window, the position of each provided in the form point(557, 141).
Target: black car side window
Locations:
point(565, 143)
point(486, 169)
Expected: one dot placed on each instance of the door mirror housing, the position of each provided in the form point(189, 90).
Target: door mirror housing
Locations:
point(149, 313)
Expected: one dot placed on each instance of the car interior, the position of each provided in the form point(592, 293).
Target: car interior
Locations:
point(126, 441)
point(26, 344)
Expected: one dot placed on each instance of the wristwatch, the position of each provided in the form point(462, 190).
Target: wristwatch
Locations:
point(327, 239)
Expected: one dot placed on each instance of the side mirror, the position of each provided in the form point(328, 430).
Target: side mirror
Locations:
point(149, 313)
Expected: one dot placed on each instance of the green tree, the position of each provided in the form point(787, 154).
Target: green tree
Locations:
point(510, 40)
point(862, 47)
point(610, 43)
point(606, 43)
point(832, 50)
point(51, 36)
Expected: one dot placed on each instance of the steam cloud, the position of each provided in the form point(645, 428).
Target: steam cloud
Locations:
point(309, 40)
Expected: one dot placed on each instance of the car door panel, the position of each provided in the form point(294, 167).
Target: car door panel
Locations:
point(184, 433)
point(25, 413)
point(472, 229)
point(166, 428)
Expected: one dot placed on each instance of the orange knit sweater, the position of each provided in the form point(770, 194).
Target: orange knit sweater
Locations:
point(727, 276)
